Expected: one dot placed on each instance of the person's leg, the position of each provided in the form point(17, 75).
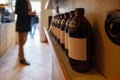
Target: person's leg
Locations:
point(25, 37)
point(22, 40)
point(21, 44)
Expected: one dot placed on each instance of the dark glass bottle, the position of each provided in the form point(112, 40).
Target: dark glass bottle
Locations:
point(62, 32)
point(72, 15)
point(58, 26)
point(80, 56)
point(55, 27)
point(52, 26)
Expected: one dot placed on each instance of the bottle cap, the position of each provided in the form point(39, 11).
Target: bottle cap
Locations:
point(80, 10)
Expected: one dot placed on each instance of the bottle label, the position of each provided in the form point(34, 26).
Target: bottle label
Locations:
point(66, 40)
point(58, 33)
point(62, 36)
point(77, 48)
point(55, 31)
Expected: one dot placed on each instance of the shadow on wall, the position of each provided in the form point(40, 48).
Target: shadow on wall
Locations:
point(98, 44)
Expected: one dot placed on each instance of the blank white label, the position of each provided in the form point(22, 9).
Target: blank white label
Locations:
point(66, 40)
point(58, 33)
point(77, 48)
point(62, 36)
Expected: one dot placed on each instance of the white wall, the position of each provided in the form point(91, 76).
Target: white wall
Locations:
point(44, 19)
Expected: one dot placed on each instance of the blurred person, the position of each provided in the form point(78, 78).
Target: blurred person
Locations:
point(24, 13)
point(34, 22)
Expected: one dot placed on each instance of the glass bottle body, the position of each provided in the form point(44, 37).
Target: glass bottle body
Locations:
point(80, 57)
point(62, 32)
point(58, 26)
point(72, 15)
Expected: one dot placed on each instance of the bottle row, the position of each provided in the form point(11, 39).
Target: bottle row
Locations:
point(73, 33)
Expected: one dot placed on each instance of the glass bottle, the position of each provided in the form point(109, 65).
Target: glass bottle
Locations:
point(55, 27)
point(62, 32)
point(80, 56)
point(72, 15)
point(52, 25)
point(58, 26)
